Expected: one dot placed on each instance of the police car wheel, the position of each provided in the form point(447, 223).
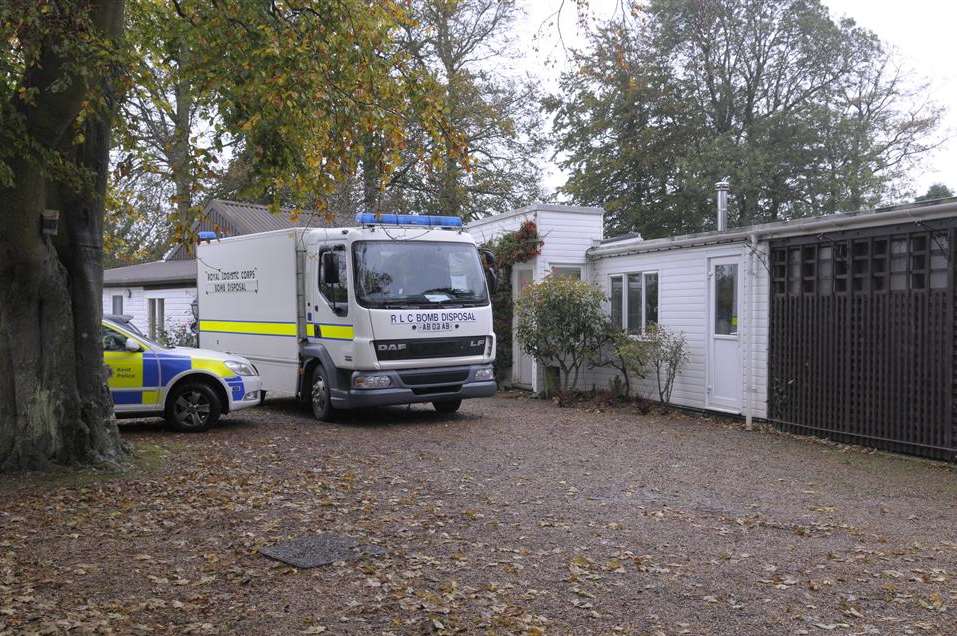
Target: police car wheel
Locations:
point(192, 407)
point(447, 406)
point(320, 399)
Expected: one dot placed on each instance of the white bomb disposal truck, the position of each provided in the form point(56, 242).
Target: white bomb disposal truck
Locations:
point(394, 311)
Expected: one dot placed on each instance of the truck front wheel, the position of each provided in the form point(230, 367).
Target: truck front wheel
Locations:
point(320, 396)
point(447, 406)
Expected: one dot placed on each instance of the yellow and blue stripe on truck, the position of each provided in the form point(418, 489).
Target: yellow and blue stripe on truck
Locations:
point(324, 331)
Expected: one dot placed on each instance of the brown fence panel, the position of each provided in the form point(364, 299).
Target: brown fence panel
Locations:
point(862, 337)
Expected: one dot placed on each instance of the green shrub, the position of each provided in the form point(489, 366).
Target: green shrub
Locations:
point(180, 335)
point(560, 322)
point(668, 353)
point(627, 355)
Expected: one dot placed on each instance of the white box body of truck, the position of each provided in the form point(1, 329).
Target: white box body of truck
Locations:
point(351, 317)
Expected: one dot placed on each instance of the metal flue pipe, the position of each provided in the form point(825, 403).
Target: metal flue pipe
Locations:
point(723, 186)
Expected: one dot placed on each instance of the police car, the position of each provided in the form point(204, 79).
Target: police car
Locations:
point(191, 388)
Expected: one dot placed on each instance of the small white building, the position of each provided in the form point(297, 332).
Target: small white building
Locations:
point(158, 295)
point(658, 281)
point(841, 325)
point(567, 232)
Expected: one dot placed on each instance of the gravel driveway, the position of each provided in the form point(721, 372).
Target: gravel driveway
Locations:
point(513, 516)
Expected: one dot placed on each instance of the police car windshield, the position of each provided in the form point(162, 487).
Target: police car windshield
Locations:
point(404, 274)
point(133, 329)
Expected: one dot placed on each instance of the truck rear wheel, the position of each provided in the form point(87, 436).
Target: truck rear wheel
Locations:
point(192, 407)
point(447, 406)
point(320, 396)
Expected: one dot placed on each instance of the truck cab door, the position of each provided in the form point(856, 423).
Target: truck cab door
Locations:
point(331, 320)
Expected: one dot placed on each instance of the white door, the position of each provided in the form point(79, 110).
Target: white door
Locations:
point(523, 368)
point(724, 351)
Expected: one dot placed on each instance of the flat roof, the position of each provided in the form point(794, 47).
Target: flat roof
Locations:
point(915, 212)
point(537, 207)
point(155, 273)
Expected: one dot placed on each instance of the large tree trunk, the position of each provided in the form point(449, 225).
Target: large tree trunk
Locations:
point(181, 159)
point(54, 407)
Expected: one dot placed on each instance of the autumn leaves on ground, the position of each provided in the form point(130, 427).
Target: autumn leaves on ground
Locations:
point(513, 516)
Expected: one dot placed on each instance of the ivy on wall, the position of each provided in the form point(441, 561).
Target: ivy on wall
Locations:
point(511, 248)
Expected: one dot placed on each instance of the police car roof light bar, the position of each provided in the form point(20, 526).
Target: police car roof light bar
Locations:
point(206, 236)
point(368, 218)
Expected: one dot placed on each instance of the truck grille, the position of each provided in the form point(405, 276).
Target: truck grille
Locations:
point(457, 376)
point(429, 348)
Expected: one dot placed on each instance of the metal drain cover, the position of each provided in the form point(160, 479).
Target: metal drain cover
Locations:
point(321, 549)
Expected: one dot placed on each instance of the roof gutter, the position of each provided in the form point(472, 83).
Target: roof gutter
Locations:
point(831, 222)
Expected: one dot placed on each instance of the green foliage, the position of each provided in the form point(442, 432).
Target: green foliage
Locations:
point(936, 191)
point(626, 354)
point(509, 249)
point(806, 115)
point(180, 335)
point(136, 223)
point(307, 92)
point(54, 54)
point(519, 246)
point(490, 134)
point(667, 354)
point(560, 321)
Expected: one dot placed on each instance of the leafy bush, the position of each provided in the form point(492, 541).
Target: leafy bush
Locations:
point(560, 321)
point(668, 353)
point(629, 356)
point(180, 335)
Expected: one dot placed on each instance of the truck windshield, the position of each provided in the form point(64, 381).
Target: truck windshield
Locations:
point(404, 274)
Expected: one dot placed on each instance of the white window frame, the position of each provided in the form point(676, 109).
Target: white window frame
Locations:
point(113, 299)
point(153, 327)
point(580, 267)
point(624, 298)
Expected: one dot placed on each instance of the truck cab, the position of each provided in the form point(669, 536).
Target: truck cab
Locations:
point(394, 311)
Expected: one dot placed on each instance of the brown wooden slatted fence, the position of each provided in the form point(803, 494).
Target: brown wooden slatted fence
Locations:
point(862, 337)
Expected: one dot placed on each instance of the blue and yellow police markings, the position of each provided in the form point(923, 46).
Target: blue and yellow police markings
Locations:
point(139, 378)
point(134, 377)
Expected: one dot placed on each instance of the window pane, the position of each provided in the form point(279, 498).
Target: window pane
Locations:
point(567, 272)
point(157, 319)
point(616, 301)
point(651, 299)
point(726, 299)
point(118, 305)
point(634, 304)
point(113, 341)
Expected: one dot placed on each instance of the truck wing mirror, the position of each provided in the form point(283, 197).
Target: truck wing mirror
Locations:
point(329, 269)
point(489, 258)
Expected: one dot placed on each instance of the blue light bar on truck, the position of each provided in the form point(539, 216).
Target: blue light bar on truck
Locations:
point(206, 236)
point(368, 218)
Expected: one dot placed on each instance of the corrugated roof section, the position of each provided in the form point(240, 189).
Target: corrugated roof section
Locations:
point(236, 218)
point(180, 272)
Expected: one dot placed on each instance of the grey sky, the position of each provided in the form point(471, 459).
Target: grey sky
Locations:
point(919, 31)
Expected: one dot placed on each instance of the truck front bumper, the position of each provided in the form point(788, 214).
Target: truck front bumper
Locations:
point(408, 386)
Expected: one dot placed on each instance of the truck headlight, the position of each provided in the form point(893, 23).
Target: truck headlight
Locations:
point(371, 382)
point(484, 375)
point(240, 368)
